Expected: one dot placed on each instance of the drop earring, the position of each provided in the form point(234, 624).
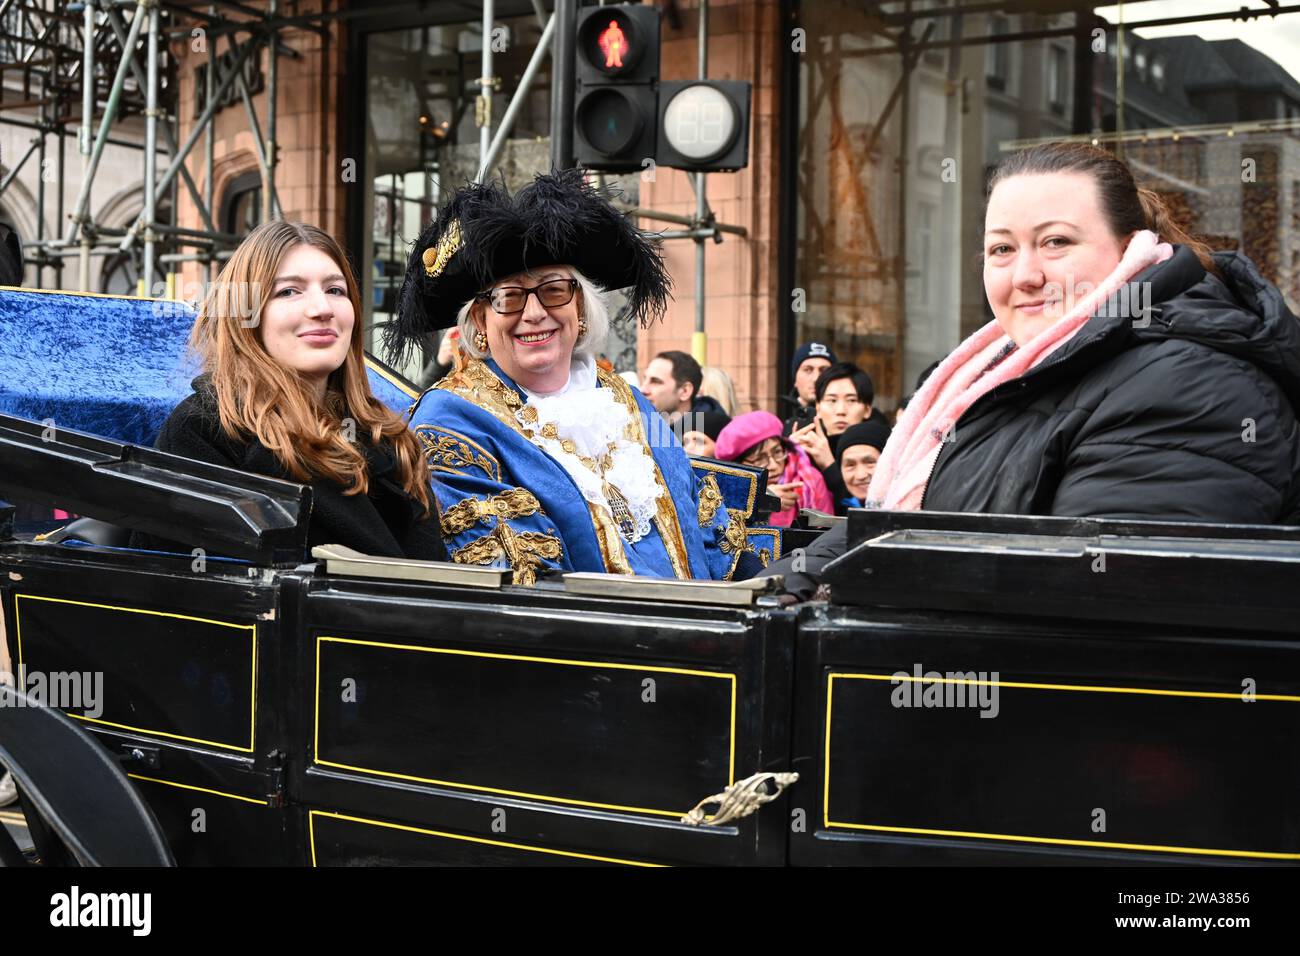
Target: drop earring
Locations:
point(582, 328)
point(480, 341)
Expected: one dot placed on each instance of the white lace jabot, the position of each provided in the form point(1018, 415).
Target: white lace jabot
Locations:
point(582, 420)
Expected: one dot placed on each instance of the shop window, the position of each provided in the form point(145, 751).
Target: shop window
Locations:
point(1058, 78)
point(421, 138)
point(997, 61)
point(917, 197)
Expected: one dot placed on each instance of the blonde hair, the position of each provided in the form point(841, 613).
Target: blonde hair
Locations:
point(716, 383)
point(258, 397)
point(594, 308)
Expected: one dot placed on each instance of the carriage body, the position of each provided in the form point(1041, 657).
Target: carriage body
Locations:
point(979, 689)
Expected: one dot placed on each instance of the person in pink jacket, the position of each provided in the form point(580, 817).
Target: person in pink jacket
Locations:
point(755, 439)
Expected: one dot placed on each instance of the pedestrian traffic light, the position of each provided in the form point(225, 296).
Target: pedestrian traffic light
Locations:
point(615, 103)
point(703, 125)
point(624, 117)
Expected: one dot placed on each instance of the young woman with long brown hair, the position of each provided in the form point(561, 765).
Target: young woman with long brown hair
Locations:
point(284, 393)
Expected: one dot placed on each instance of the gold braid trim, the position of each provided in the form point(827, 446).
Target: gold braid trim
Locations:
point(666, 517)
point(524, 550)
point(735, 540)
point(482, 550)
point(506, 505)
point(710, 500)
point(607, 537)
point(477, 385)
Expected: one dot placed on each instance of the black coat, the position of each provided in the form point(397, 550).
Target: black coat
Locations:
point(385, 522)
point(1191, 418)
point(1126, 422)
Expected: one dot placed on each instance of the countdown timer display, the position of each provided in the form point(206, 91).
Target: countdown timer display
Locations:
point(700, 122)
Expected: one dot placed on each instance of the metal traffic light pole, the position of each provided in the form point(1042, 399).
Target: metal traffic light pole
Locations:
point(699, 342)
point(565, 20)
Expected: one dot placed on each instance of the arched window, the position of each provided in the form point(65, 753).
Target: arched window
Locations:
point(241, 205)
point(121, 275)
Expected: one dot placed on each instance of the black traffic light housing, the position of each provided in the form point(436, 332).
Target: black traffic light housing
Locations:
point(615, 107)
point(620, 105)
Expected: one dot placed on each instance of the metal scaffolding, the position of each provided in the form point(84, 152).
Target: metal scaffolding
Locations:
point(100, 72)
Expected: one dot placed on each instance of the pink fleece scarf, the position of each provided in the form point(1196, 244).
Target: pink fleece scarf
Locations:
point(977, 366)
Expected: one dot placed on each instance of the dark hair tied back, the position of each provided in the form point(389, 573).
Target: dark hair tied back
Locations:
point(1127, 206)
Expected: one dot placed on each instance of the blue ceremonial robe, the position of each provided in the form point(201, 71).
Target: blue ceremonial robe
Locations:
point(505, 501)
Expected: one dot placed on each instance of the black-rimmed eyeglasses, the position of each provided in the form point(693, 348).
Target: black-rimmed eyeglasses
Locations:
point(510, 299)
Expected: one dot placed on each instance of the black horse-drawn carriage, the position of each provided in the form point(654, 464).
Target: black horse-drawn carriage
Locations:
point(979, 689)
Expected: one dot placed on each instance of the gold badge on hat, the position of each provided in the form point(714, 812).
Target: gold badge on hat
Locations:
point(437, 257)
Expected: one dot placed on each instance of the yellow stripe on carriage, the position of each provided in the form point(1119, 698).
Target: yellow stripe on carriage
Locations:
point(731, 767)
point(1018, 838)
point(190, 786)
point(252, 715)
point(1099, 688)
point(311, 825)
point(1100, 844)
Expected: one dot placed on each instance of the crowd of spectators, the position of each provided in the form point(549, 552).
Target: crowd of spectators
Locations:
point(820, 456)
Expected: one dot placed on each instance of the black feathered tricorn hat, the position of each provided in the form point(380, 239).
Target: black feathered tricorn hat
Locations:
point(483, 234)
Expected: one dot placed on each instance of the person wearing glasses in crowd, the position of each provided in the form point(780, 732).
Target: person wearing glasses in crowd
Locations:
point(541, 459)
point(755, 439)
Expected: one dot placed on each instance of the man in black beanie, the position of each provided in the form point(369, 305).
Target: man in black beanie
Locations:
point(810, 360)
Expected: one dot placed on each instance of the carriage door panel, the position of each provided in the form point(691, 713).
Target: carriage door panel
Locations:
point(517, 726)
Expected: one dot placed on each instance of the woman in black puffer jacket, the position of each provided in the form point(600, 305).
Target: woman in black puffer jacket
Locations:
point(1129, 373)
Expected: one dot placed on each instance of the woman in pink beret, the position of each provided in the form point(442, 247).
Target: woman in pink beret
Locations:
point(755, 439)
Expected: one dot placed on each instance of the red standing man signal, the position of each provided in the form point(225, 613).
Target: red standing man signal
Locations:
point(613, 41)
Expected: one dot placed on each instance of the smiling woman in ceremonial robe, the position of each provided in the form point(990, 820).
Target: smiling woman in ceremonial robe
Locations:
point(540, 458)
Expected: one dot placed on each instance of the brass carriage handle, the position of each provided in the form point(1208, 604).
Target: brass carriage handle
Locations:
point(740, 799)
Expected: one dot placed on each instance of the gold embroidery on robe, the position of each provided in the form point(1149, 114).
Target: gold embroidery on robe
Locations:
point(505, 505)
point(524, 551)
point(748, 475)
point(735, 539)
point(710, 500)
point(478, 385)
point(443, 446)
point(607, 537)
